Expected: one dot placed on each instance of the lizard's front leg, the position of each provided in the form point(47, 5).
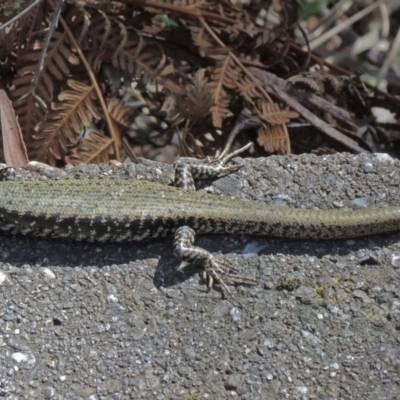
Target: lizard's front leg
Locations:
point(185, 173)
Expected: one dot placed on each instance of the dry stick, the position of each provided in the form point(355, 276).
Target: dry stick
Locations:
point(20, 15)
point(13, 142)
point(390, 58)
point(45, 47)
point(318, 102)
point(343, 71)
point(340, 27)
point(263, 78)
point(183, 10)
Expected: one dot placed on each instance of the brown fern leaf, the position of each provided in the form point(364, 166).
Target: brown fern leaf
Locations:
point(197, 102)
point(248, 89)
point(331, 83)
point(226, 72)
point(107, 40)
point(201, 39)
point(99, 35)
point(318, 81)
point(32, 106)
point(96, 30)
point(29, 23)
point(56, 65)
point(219, 111)
point(274, 139)
point(163, 77)
point(140, 60)
point(76, 108)
point(94, 149)
point(148, 63)
point(121, 113)
point(306, 82)
point(271, 113)
point(122, 117)
point(225, 75)
point(31, 111)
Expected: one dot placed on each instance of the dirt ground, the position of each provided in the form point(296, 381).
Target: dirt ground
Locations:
point(112, 321)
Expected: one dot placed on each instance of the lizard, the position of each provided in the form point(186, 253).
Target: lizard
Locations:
point(109, 210)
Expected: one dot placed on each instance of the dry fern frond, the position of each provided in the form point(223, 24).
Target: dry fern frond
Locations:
point(201, 38)
point(164, 73)
point(95, 148)
point(76, 108)
point(274, 139)
point(100, 36)
point(248, 89)
point(122, 117)
point(107, 41)
point(30, 112)
point(27, 22)
point(306, 82)
point(318, 81)
point(331, 83)
point(160, 49)
point(271, 113)
point(144, 62)
point(197, 102)
point(220, 109)
point(96, 30)
point(120, 113)
point(32, 106)
point(59, 58)
point(225, 75)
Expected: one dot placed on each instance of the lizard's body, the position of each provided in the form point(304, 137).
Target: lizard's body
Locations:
point(99, 210)
point(133, 210)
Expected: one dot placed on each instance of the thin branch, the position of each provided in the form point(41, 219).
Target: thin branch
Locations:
point(20, 15)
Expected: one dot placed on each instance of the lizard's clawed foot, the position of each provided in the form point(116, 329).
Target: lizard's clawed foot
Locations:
point(188, 169)
point(217, 272)
point(214, 271)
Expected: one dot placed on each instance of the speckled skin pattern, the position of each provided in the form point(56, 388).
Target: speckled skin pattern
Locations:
point(100, 210)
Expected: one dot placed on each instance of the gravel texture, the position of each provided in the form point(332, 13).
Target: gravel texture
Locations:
point(112, 321)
